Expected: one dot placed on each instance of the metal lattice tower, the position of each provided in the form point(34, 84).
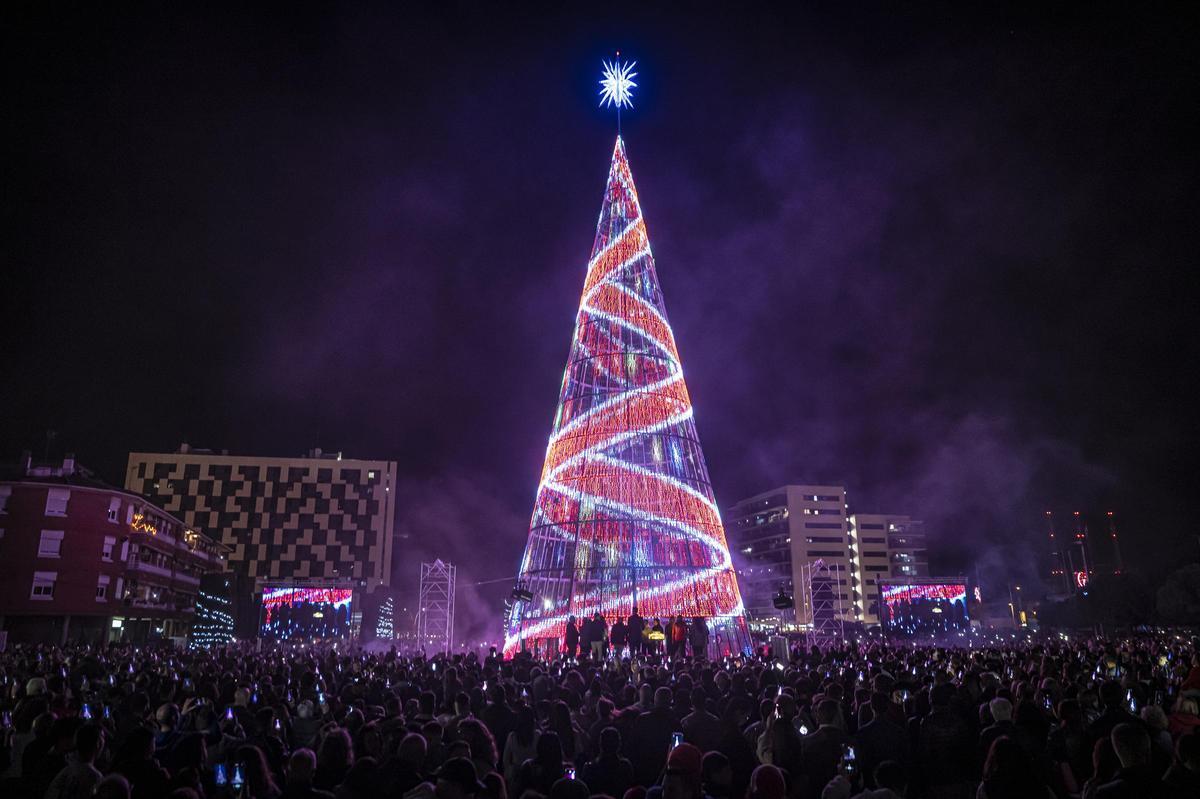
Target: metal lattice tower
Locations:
point(821, 587)
point(435, 607)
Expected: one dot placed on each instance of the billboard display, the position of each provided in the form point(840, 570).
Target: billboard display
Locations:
point(305, 613)
point(917, 606)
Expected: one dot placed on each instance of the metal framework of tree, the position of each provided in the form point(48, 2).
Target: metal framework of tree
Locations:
point(624, 514)
point(435, 608)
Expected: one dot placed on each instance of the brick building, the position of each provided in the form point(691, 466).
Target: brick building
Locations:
point(86, 561)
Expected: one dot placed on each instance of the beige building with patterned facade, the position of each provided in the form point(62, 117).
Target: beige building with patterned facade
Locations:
point(319, 519)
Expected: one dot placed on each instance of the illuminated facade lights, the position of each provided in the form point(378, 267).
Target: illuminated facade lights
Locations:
point(385, 623)
point(624, 513)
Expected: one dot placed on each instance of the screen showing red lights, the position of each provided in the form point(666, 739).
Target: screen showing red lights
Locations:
point(307, 613)
point(915, 601)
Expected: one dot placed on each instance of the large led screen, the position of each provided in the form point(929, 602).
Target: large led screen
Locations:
point(917, 607)
point(289, 612)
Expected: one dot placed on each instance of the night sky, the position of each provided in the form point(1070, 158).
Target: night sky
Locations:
point(949, 262)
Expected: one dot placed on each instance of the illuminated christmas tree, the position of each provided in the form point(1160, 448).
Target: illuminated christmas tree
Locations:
point(624, 513)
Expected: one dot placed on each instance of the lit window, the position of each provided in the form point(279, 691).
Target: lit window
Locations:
point(56, 501)
point(370, 475)
point(43, 585)
point(106, 552)
point(114, 508)
point(5, 493)
point(50, 545)
point(102, 588)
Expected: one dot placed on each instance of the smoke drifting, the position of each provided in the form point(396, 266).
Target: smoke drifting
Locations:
point(946, 262)
point(459, 520)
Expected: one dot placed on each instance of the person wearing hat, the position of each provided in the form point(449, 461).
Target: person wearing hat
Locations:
point(682, 776)
point(456, 779)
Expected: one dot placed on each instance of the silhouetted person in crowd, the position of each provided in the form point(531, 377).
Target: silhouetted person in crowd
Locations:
point(698, 637)
point(1000, 710)
point(880, 740)
point(1136, 778)
point(79, 777)
point(1114, 711)
point(945, 751)
point(599, 637)
point(635, 625)
point(650, 738)
point(821, 750)
point(1009, 773)
point(610, 773)
point(572, 637)
point(541, 772)
point(301, 767)
point(1183, 777)
point(618, 636)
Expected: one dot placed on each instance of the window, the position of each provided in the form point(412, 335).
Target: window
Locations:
point(102, 588)
point(817, 526)
point(56, 501)
point(870, 527)
point(106, 552)
point(826, 553)
point(50, 545)
point(120, 588)
point(43, 585)
point(114, 509)
point(5, 493)
point(824, 539)
point(870, 540)
point(875, 568)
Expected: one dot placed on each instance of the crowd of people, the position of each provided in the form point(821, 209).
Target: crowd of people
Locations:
point(1023, 718)
point(634, 636)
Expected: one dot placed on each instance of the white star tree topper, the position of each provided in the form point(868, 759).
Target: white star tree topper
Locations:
point(616, 87)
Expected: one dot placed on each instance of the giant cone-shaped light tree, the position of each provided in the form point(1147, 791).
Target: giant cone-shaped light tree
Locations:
point(624, 514)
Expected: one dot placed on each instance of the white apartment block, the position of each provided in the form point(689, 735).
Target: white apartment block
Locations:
point(883, 546)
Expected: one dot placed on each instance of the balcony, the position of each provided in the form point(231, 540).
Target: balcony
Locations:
point(160, 606)
point(146, 567)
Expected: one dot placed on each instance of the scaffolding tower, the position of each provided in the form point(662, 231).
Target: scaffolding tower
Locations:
point(435, 607)
point(821, 589)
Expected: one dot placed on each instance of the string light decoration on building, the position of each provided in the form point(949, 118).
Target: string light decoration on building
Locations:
point(214, 620)
point(140, 524)
point(624, 513)
point(385, 629)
